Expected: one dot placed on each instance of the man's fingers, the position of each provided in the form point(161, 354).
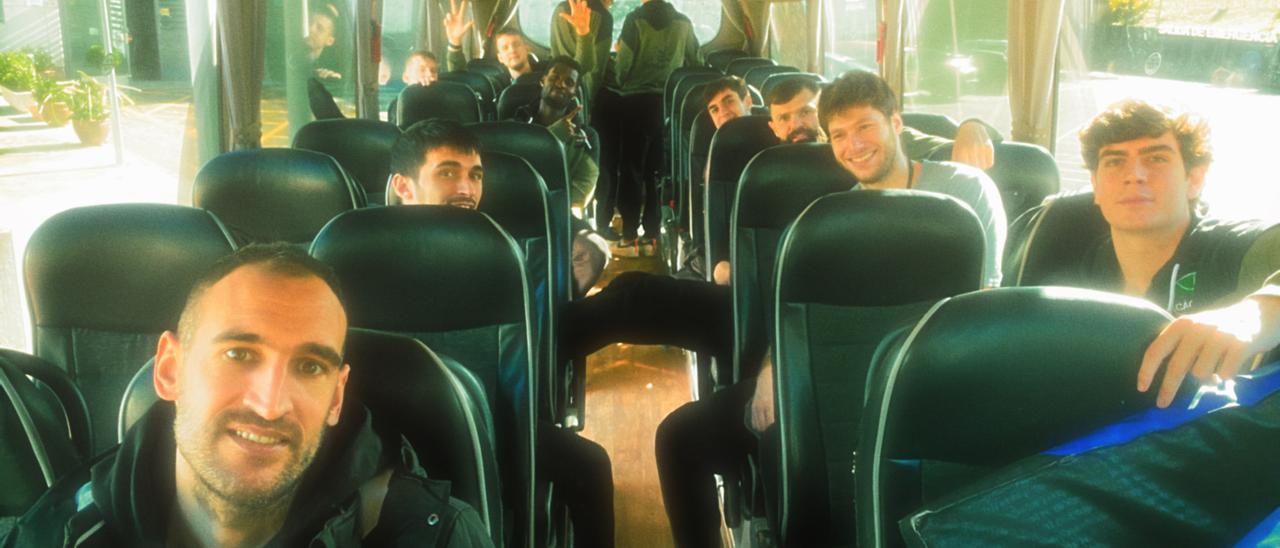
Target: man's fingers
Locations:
point(1210, 356)
point(1179, 364)
point(1233, 361)
point(1157, 352)
point(988, 157)
point(565, 16)
point(453, 7)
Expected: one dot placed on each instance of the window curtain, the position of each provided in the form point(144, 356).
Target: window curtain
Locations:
point(368, 38)
point(1033, 52)
point(242, 31)
point(893, 20)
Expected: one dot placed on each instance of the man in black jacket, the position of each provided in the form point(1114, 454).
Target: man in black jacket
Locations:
point(246, 449)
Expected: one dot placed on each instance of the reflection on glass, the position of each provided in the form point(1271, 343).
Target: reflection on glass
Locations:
point(1219, 61)
point(956, 59)
point(851, 38)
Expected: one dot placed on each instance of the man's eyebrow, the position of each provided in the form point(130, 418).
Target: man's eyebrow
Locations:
point(239, 336)
point(325, 352)
point(448, 163)
point(1155, 148)
point(1112, 152)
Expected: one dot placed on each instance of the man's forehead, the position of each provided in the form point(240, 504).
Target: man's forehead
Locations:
point(857, 114)
point(254, 291)
point(722, 95)
point(440, 155)
point(512, 39)
point(804, 98)
point(1141, 145)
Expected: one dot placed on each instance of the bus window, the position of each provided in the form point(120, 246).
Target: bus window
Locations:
point(956, 59)
point(787, 43)
point(1219, 63)
point(535, 17)
point(308, 41)
point(851, 36)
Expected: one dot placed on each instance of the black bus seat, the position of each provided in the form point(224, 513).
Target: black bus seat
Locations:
point(852, 268)
point(1048, 241)
point(445, 100)
point(731, 148)
point(515, 97)
point(756, 76)
point(480, 84)
point(674, 138)
point(275, 194)
point(1024, 173)
point(776, 186)
point(720, 59)
point(361, 147)
point(103, 282)
point(516, 198)
point(38, 447)
point(690, 192)
point(739, 67)
point(669, 89)
point(453, 279)
point(988, 378)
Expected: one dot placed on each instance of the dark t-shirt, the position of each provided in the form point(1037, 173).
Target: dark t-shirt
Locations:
point(1216, 263)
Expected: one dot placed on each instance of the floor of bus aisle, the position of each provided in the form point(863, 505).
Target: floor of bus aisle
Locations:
point(630, 389)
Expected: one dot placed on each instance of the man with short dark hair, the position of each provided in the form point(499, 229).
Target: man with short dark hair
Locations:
point(726, 98)
point(437, 162)
point(246, 448)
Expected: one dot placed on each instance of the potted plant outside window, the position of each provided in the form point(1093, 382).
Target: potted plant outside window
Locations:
point(90, 110)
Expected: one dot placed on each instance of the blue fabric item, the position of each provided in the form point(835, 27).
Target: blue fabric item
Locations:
point(1245, 390)
point(1266, 534)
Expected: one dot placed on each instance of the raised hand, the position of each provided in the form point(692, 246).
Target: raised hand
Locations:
point(579, 16)
point(455, 28)
point(973, 146)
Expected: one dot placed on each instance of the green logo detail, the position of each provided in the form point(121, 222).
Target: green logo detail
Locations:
point(1187, 284)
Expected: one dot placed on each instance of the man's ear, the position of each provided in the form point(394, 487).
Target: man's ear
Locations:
point(774, 129)
point(897, 123)
point(404, 188)
point(747, 102)
point(1195, 181)
point(340, 391)
point(165, 371)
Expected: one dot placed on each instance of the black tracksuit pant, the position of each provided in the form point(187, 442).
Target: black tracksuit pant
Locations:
point(630, 129)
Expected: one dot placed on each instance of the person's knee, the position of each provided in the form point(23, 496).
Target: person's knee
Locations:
point(674, 432)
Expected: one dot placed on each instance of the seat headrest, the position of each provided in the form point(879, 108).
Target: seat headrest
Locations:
point(881, 248)
point(514, 195)
point(1000, 374)
point(720, 59)
point(478, 83)
point(1054, 239)
point(274, 194)
point(124, 267)
point(735, 143)
point(691, 106)
point(1024, 173)
point(423, 268)
point(532, 142)
point(756, 76)
point(441, 99)
point(516, 96)
point(782, 180)
point(739, 67)
point(362, 147)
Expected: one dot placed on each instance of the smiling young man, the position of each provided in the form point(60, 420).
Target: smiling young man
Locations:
point(437, 162)
point(246, 447)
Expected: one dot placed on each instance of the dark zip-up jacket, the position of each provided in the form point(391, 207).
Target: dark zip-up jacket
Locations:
point(128, 498)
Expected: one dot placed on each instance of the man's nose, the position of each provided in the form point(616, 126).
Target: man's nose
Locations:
point(1137, 173)
point(265, 393)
